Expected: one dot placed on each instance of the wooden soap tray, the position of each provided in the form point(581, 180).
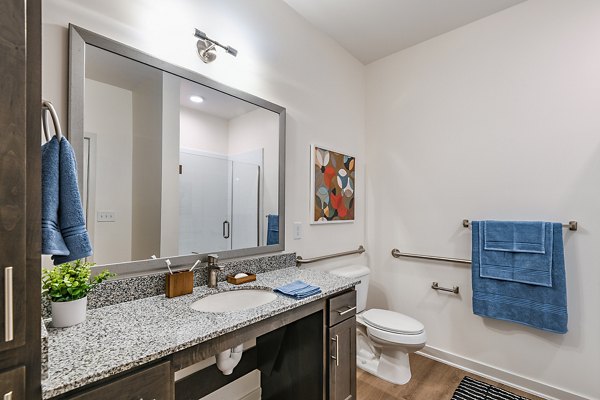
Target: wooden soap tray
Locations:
point(239, 281)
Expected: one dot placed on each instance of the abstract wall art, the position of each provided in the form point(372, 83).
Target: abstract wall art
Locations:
point(332, 186)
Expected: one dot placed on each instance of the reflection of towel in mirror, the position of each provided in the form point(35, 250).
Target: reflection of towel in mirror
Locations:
point(52, 240)
point(272, 229)
point(70, 213)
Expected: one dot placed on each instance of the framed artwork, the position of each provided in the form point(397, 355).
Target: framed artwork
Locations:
point(332, 186)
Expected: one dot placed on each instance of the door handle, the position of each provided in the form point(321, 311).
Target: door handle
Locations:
point(226, 224)
point(350, 309)
point(8, 307)
point(337, 351)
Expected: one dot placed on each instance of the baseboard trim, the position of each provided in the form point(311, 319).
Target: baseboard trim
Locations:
point(499, 375)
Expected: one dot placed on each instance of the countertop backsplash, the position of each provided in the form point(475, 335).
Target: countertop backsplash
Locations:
point(122, 290)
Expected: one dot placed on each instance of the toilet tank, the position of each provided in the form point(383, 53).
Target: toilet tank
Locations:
point(356, 271)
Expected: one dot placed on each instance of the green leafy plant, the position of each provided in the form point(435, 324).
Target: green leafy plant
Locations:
point(71, 281)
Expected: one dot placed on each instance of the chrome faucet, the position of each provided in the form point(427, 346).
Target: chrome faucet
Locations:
point(213, 269)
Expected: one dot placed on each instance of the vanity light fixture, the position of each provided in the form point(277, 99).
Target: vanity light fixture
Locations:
point(207, 47)
point(197, 99)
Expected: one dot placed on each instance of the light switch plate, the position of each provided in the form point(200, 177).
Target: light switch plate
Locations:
point(105, 216)
point(297, 230)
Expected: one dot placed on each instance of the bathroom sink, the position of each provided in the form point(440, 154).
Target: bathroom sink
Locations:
point(234, 300)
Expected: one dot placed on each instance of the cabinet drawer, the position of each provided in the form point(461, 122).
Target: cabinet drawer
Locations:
point(342, 307)
point(12, 384)
point(154, 383)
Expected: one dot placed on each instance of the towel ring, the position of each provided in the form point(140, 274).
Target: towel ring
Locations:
point(47, 107)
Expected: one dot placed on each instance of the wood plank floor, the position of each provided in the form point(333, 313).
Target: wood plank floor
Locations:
point(431, 380)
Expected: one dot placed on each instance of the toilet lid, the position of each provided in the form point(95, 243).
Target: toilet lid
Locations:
point(392, 321)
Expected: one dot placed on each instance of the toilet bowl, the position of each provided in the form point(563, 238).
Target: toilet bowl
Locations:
point(384, 338)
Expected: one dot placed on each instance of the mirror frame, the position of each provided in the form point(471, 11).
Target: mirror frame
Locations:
point(78, 39)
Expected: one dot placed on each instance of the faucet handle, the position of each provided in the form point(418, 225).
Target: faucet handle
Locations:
point(213, 259)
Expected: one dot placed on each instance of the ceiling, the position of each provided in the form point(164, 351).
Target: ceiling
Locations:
point(113, 69)
point(373, 29)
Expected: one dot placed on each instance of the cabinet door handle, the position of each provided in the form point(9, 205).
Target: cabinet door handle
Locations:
point(350, 309)
point(8, 309)
point(337, 351)
point(8, 396)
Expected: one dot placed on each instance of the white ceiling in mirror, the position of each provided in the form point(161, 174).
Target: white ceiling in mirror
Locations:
point(215, 103)
point(113, 69)
point(373, 29)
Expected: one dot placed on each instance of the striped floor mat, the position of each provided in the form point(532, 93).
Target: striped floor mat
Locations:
point(471, 389)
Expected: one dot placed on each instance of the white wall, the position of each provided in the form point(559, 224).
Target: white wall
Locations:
point(259, 129)
point(323, 92)
point(495, 120)
point(203, 131)
point(147, 180)
point(169, 207)
point(114, 142)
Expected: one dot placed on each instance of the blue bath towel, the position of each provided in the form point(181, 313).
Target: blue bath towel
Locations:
point(52, 240)
point(70, 213)
point(272, 229)
point(516, 251)
point(298, 290)
point(533, 305)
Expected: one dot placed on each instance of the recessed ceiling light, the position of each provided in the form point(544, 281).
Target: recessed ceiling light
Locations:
point(196, 99)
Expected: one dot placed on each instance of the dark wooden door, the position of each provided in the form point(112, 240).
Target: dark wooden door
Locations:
point(20, 209)
point(342, 360)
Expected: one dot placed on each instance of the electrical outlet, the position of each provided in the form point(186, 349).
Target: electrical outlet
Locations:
point(297, 230)
point(105, 216)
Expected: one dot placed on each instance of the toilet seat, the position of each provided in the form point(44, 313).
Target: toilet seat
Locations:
point(393, 327)
point(392, 322)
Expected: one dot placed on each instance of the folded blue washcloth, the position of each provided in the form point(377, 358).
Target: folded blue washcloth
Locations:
point(516, 251)
point(298, 290)
point(70, 213)
point(272, 229)
point(533, 305)
point(52, 240)
point(516, 236)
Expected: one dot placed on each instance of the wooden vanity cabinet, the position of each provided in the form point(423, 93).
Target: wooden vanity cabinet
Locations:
point(342, 346)
point(153, 383)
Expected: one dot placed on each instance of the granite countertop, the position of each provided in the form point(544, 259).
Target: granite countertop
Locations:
point(116, 338)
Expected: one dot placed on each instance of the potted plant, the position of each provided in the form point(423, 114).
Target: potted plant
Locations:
point(67, 286)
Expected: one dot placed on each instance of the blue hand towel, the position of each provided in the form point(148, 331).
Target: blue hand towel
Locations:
point(298, 289)
point(533, 305)
point(52, 240)
point(516, 251)
point(517, 236)
point(70, 214)
point(272, 229)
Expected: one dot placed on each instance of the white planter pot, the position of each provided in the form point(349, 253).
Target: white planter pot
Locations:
point(68, 313)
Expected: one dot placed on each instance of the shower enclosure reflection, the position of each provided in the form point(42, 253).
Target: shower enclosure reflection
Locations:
point(173, 167)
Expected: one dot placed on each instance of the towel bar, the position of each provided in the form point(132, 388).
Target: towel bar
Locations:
point(436, 286)
point(301, 260)
point(572, 225)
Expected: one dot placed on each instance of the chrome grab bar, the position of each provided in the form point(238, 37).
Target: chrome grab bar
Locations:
point(436, 286)
point(301, 260)
point(397, 254)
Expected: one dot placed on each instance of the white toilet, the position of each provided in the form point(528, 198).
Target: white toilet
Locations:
point(384, 338)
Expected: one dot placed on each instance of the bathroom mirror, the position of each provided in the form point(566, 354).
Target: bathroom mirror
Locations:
point(172, 164)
